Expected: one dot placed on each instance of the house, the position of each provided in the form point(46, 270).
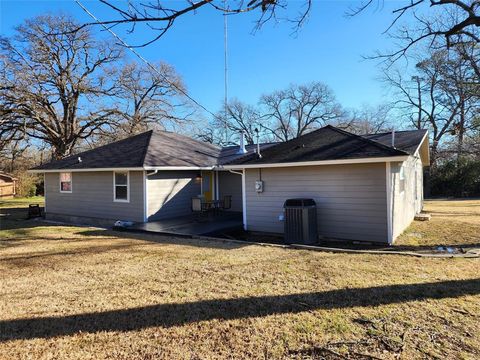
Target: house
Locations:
point(366, 188)
point(8, 185)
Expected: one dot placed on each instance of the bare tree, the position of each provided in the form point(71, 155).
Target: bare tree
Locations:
point(225, 130)
point(442, 96)
point(444, 22)
point(370, 119)
point(462, 16)
point(299, 109)
point(211, 135)
point(146, 99)
point(52, 81)
point(160, 16)
point(241, 117)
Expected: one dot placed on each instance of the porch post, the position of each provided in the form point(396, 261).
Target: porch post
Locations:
point(390, 195)
point(244, 200)
point(217, 186)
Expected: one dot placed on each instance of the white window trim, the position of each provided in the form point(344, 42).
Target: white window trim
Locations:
point(60, 182)
point(128, 187)
point(402, 177)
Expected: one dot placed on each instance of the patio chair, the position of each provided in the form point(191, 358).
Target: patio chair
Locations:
point(227, 202)
point(198, 207)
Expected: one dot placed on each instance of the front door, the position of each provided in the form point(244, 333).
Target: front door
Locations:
point(207, 185)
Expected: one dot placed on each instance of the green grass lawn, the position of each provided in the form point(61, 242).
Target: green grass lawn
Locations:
point(83, 293)
point(22, 202)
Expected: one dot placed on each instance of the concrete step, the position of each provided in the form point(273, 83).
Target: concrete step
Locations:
point(422, 217)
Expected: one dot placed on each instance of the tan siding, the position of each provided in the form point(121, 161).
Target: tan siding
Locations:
point(351, 199)
point(231, 184)
point(6, 189)
point(92, 196)
point(406, 204)
point(170, 193)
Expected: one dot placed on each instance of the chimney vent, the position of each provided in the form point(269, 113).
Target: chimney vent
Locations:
point(393, 138)
point(241, 149)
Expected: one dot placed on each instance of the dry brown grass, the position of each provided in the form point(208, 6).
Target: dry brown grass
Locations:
point(83, 293)
point(453, 223)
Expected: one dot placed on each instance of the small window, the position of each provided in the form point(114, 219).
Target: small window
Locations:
point(402, 179)
point(66, 182)
point(121, 186)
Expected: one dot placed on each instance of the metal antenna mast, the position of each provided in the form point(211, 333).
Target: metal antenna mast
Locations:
point(225, 59)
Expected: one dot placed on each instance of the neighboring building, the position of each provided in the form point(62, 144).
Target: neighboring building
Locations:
point(365, 188)
point(8, 185)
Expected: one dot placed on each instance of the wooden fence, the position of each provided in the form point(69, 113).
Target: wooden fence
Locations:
point(7, 190)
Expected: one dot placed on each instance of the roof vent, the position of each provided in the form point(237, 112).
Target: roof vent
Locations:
point(79, 159)
point(258, 144)
point(393, 138)
point(241, 149)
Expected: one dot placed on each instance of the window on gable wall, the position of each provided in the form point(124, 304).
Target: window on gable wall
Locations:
point(66, 182)
point(402, 179)
point(121, 186)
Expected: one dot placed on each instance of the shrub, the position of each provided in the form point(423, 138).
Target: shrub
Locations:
point(459, 178)
point(27, 184)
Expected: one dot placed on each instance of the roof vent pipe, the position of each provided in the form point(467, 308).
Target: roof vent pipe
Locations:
point(79, 159)
point(258, 144)
point(393, 138)
point(241, 149)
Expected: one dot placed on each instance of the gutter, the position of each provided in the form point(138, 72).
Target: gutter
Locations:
point(144, 168)
point(318, 163)
point(43, 171)
point(234, 167)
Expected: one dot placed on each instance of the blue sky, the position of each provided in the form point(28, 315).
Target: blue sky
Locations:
point(328, 48)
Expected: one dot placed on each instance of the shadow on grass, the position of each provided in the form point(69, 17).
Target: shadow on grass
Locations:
point(88, 250)
point(167, 239)
point(168, 315)
point(16, 218)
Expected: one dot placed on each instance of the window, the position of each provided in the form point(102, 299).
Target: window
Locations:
point(402, 179)
point(121, 189)
point(66, 182)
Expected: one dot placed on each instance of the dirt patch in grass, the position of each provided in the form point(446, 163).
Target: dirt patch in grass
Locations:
point(85, 293)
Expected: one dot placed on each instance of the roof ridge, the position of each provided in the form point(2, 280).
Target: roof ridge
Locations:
point(373, 142)
point(145, 151)
point(396, 131)
point(163, 132)
point(275, 144)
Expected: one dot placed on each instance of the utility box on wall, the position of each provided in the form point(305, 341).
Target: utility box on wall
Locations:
point(259, 186)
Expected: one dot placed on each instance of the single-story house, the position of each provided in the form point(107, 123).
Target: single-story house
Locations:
point(8, 185)
point(366, 188)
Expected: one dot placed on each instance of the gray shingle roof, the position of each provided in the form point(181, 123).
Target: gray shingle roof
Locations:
point(151, 149)
point(170, 149)
point(126, 153)
point(404, 140)
point(327, 143)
